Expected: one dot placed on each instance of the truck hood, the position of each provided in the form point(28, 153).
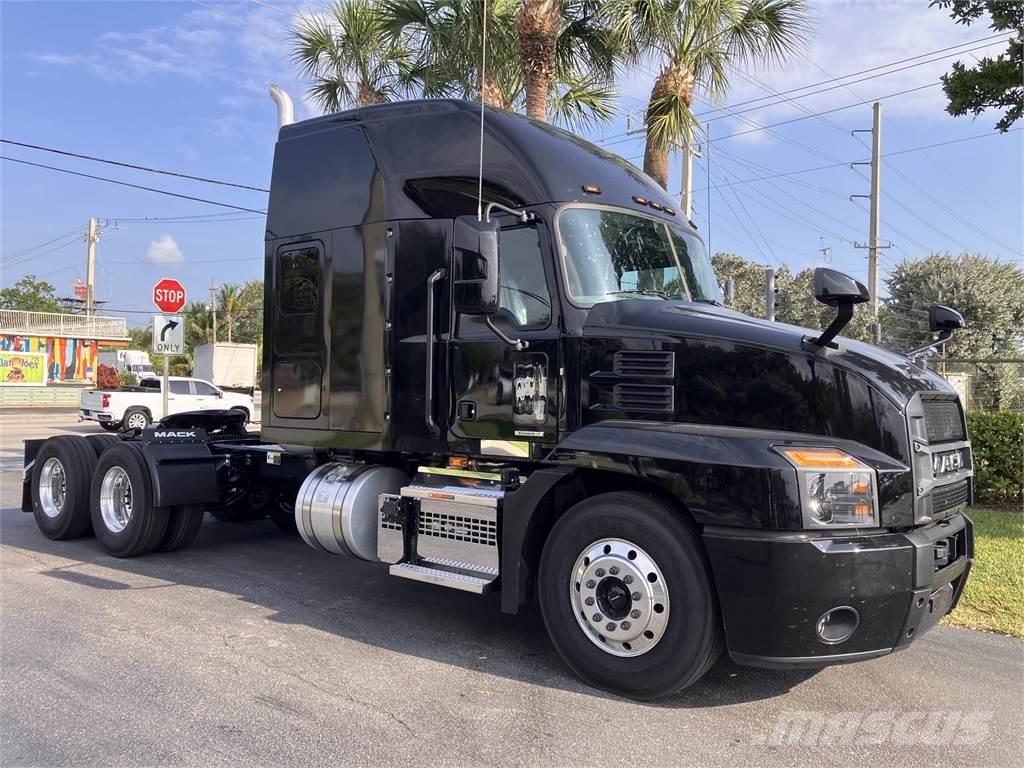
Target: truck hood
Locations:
point(892, 374)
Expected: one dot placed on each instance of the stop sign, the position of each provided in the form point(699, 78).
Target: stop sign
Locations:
point(169, 295)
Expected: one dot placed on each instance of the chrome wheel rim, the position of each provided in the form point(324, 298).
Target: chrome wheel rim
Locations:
point(619, 597)
point(53, 487)
point(136, 421)
point(116, 499)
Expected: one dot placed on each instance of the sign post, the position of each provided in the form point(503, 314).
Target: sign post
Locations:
point(168, 328)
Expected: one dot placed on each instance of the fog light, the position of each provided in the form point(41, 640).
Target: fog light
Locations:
point(837, 625)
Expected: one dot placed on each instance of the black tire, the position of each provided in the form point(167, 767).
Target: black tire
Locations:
point(100, 443)
point(691, 639)
point(146, 525)
point(244, 412)
point(133, 414)
point(110, 426)
point(182, 528)
point(282, 514)
point(73, 458)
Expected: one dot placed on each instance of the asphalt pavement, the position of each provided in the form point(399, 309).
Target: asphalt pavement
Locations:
point(249, 648)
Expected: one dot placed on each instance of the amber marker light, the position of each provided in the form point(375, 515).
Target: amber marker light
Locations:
point(590, 189)
point(820, 458)
point(639, 200)
point(656, 205)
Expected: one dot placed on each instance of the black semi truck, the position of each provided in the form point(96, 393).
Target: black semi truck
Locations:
point(523, 380)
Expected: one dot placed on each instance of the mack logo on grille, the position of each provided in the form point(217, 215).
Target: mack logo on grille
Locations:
point(951, 461)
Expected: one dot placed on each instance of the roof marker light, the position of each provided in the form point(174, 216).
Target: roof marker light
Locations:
point(639, 200)
point(590, 189)
point(655, 205)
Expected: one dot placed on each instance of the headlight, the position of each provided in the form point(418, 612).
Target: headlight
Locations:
point(836, 490)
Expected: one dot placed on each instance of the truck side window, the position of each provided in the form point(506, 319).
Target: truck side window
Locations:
point(300, 281)
point(178, 388)
point(202, 388)
point(524, 290)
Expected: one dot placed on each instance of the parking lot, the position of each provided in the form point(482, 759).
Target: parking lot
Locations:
point(249, 648)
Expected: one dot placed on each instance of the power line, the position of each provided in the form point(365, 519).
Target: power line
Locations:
point(133, 186)
point(827, 111)
point(134, 166)
point(886, 154)
point(773, 94)
point(713, 110)
point(22, 252)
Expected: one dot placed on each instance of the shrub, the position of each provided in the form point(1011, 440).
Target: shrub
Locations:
point(106, 378)
point(997, 439)
point(128, 379)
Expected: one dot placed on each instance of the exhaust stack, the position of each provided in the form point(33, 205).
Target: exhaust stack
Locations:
point(285, 109)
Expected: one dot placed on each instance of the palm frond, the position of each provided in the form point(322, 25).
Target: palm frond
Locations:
point(582, 102)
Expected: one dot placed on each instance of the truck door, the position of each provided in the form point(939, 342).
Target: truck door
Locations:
point(504, 397)
point(298, 328)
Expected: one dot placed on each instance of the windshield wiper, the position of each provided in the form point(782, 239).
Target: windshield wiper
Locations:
point(712, 302)
point(641, 292)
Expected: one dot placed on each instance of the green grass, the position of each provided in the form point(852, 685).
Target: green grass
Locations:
point(994, 598)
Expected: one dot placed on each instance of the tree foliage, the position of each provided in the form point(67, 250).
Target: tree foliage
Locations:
point(695, 45)
point(31, 295)
point(992, 82)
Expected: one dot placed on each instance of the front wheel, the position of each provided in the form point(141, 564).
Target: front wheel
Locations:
point(626, 596)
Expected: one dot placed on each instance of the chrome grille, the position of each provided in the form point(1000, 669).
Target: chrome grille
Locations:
point(942, 420)
point(458, 528)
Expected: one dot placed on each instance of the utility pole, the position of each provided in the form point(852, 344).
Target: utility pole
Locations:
point(213, 308)
point(873, 246)
point(90, 266)
point(769, 293)
point(686, 203)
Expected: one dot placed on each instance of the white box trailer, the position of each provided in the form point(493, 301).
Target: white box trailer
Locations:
point(228, 366)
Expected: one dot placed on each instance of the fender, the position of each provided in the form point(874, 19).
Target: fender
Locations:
point(725, 476)
point(183, 469)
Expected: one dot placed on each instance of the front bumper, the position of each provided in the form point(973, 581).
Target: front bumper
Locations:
point(774, 587)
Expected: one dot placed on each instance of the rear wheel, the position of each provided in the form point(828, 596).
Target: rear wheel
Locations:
point(282, 514)
point(100, 443)
point(123, 516)
point(182, 528)
point(60, 487)
point(136, 418)
point(626, 596)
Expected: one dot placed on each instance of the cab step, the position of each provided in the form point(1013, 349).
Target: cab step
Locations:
point(446, 573)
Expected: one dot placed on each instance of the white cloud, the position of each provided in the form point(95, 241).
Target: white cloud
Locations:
point(164, 251)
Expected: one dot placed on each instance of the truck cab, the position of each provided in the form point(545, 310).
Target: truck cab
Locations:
point(517, 375)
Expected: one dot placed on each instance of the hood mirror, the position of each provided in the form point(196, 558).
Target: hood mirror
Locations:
point(836, 289)
point(942, 320)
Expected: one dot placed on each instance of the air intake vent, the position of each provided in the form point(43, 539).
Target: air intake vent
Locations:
point(652, 365)
point(942, 420)
point(946, 498)
point(645, 398)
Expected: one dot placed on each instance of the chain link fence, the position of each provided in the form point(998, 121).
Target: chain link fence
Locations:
point(984, 384)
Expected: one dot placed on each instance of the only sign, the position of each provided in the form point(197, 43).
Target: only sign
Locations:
point(169, 295)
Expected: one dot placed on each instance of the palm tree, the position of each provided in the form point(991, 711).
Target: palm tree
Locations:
point(695, 44)
point(571, 80)
point(564, 42)
point(230, 301)
point(349, 59)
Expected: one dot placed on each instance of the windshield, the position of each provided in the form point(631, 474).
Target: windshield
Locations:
point(610, 254)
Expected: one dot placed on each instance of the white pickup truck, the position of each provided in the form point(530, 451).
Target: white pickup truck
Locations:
point(138, 407)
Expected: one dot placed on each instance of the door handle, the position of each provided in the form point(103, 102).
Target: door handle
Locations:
point(428, 399)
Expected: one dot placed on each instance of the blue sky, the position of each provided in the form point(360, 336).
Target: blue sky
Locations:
point(182, 86)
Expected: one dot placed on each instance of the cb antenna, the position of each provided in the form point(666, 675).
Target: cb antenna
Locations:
point(483, 80)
